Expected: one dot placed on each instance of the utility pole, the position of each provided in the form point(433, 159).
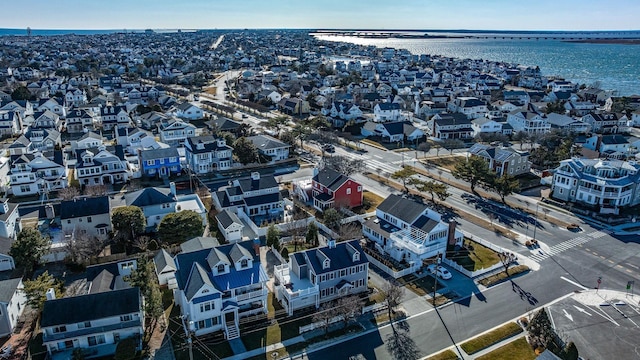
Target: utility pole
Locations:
point(188, 334)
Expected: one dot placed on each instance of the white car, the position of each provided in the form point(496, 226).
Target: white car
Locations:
point(440, 271)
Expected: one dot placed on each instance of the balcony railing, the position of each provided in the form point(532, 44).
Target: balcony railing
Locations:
point(251, 295)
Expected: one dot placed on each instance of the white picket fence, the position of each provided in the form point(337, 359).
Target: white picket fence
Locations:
point(474, 274)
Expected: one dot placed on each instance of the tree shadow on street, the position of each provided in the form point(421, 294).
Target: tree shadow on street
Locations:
point(524, 295)
point(400, 344)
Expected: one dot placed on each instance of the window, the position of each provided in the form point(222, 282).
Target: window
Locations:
point(124, 318)
point(116, 337)
point(244, 263)
point(173, 159)
point(88, 219)
point(150, 162)
point(349, 191)
point(86, 324)
point(359, 188)
point(59, 329)
point(96, 340)
point(68, 221)
point(221, 268)
point(207, 306)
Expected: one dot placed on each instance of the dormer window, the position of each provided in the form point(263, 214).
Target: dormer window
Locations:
point(244, 263)
point(326, 264)
point(356, 256)
point(221, 268)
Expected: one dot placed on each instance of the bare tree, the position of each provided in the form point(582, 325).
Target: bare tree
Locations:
point(324, 315)
point(143, 242)
point(349, 231)
point(95, 190)
point(81, 246)
point(507, 258)
point(68, 193)
point(348, 308)
point(343, 165)
point(393, 295)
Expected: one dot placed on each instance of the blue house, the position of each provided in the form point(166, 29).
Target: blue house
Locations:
point(160, 162)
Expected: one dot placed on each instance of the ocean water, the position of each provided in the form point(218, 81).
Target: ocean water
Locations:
point(614, 66)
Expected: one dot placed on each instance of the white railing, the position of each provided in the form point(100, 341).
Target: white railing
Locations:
point(251, 295)
point(301, 293)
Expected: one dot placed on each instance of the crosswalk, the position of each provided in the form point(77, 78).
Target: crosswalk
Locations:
point(568, 244)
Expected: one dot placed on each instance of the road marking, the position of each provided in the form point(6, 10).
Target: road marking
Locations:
point(606, 316)
point(633, 266)
point(574, 283)
point(581, 310)
point(568, 244)
point(568, 315)
point(377, 156)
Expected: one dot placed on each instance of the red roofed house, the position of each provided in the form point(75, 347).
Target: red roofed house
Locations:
point(332, 189)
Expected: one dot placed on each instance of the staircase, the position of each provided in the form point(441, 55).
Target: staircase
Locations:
point(232, 330)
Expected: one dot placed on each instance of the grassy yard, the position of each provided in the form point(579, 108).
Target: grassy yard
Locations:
point(376, 297)
point(370, 202)
point(501, 276)
point(447, 162)
point(490, 338)
point(277, 331)
point(421, 286)
point(445, 355)
point(478, 257)
point(518, 349)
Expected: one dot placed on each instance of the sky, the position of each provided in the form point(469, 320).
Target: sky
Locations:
point(323, 14)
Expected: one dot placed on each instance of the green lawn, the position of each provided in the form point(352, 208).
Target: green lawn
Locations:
point(284, 329)
point(501, 276)
point(445, 355)
point(448, 162)
point(518, 349)
point(490, 338)
point(478, 257)
point(421, 286)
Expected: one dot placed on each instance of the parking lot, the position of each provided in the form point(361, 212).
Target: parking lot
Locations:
point(603, 325)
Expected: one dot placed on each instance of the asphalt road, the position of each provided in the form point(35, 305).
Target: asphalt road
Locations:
point(572, 266)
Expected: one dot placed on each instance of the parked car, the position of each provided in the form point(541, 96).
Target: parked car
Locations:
point(440, 271)
point(329, 148)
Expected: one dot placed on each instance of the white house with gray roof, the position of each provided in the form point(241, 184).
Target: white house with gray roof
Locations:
point(406, 230)
point(188, 111)
point(605, 184)
point(175, 131)
point(316, 276)
point(230, 225)
point(93, 322)
point(12, 303)
point(156, 203)
point(208, 153)
point(271, 147)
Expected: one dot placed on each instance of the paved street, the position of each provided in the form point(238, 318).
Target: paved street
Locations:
point(568, 262)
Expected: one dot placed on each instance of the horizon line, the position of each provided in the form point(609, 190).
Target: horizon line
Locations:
point(322, 29)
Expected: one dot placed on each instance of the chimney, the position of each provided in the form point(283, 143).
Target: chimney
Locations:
point(451, 240)
point(50, 211)
point(315, 171)
point(256, 246)
point(331, 244)
point(255, 175)
point(172, 186)
point(50, 294)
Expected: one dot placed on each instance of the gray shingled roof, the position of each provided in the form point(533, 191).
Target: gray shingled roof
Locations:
point(197, 279)
point(89, 307)
point(401, 208)
point(227, 218)
point(237, 252)
point(163, 259)
point(8, 288)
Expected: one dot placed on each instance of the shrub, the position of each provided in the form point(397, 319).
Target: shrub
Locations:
point(126, 349)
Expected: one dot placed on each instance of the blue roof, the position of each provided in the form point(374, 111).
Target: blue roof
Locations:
point(233, 279)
